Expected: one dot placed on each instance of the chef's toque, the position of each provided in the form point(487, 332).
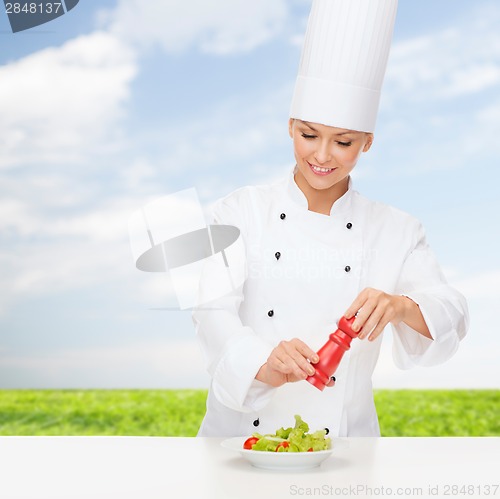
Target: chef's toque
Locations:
point(343, 63)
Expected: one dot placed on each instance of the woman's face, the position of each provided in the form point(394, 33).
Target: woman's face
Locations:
point(326, 155)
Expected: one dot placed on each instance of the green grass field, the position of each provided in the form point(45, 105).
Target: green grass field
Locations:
point(179, 412)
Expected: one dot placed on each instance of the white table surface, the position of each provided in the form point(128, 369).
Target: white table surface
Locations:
point(199, 468)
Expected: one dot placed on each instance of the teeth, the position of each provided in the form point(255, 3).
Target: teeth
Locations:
point(322, 170)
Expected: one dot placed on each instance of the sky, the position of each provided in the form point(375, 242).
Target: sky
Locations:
point(120, 102)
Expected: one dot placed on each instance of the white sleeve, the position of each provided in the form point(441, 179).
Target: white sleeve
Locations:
point(233, 353)
point(444, 310)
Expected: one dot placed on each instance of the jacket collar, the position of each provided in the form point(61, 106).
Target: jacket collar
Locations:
point(342, 205)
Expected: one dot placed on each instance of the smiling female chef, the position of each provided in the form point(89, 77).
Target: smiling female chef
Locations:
point(316, 250)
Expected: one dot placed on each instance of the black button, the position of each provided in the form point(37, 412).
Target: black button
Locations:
point(270, 313)
point(333, 378)
point(282, 216)
point(347, 268)
point(349, 225)
point(327, 431)
point(277, 255)
point(256, 422)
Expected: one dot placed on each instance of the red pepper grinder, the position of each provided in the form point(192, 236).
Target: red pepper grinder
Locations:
point(331, 353)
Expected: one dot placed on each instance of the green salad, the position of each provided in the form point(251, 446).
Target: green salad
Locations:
point(296, 439)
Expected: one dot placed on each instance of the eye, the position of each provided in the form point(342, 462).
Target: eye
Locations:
point(344, 144)
point(308, 136)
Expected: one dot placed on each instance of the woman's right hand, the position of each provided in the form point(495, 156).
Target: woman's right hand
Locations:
point(290, 361)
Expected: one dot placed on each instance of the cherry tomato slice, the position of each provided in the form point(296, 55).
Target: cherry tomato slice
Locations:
point(310, 450)
point(284, 444)
point(249, 442)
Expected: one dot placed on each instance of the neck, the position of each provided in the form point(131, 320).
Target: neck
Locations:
point(321, 200)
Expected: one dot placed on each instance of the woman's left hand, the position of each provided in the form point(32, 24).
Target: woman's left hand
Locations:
point(375, 309)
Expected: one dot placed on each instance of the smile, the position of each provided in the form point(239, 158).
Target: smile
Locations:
point(318, 170)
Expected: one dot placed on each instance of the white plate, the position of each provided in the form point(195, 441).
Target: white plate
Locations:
point(283, 461)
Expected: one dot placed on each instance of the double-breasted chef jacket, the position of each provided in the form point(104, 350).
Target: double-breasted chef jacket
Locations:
point(303, 270)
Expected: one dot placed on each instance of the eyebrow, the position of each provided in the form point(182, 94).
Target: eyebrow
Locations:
point(314, 129)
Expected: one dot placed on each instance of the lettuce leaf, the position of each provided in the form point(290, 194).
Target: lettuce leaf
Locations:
point(298, 438)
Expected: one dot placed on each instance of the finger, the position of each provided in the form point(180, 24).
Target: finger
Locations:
point(296, 364)
point(371, 322)
point(302, 366)
point(356, 305)
point(305, 350)
point(380, 327)
point(363, 316)
point(292, 357)
point(285, 363)
point(331, 382)
point(296, 360)
point(278, 366)
point(277, 362)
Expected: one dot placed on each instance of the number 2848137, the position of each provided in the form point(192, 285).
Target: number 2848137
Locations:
point(33, 8)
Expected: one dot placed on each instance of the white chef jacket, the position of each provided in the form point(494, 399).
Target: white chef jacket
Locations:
point(302, 271)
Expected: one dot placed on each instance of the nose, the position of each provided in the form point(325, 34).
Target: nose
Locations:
point(323, 153)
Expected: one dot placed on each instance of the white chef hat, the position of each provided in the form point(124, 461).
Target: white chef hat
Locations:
point(343, 63)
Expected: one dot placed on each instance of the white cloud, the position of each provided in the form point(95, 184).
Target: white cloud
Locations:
point(470, 367)
point(51, 254)
point(475, 365)
point(218, 148)
point(219, 27)
point(65, 236)
point(439, 111)
point(73, 250)
point(481, 286)
point(107, 222)
point(488, 118)
point(473, 78)
point(59, 103)
point(449, 63)
point(161, 364)
point(178, 363)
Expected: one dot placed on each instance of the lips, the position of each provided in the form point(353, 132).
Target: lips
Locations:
point(318, 170)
